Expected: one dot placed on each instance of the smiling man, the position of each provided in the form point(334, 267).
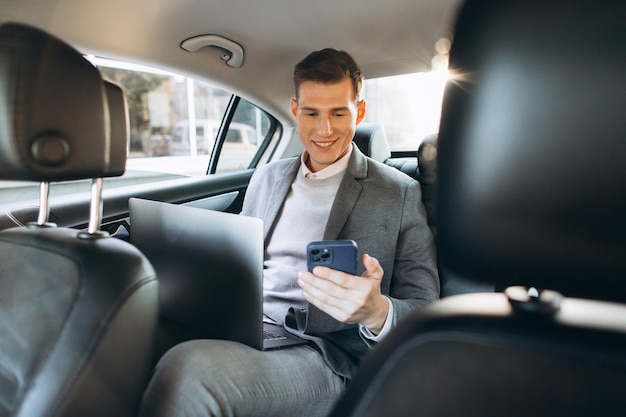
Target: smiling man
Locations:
point(327, 115)
point(332, 191)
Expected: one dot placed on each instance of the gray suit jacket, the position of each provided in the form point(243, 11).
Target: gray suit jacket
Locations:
point(378, 207)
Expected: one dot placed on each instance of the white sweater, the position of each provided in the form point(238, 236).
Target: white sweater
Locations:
point(302, 219)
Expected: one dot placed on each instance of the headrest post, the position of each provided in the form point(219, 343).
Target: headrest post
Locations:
point(95, 215)
point(44, 206)
point(95, 212)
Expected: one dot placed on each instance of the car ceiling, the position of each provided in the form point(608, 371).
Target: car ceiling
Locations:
point(388, 37)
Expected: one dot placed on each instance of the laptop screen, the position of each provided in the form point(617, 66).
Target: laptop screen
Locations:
point(210, 269)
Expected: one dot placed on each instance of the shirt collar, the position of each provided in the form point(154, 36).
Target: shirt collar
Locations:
point(336, 167)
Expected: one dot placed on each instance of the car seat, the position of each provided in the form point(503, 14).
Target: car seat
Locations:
point(531, 172)
point(371, 139)
point(451, 283)
point(78, 308)
point(427, 167)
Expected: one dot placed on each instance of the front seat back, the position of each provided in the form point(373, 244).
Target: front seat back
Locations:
point(77, 308)
point(532, 172)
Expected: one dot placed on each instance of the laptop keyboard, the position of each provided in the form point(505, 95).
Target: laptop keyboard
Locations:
point(267, 335)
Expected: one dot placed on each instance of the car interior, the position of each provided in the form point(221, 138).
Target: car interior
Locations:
point(522, 185)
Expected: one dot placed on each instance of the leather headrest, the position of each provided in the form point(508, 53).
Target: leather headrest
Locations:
point(532, 156)
point(427, 159)
point(54, 119)
point(120, 130)
point(372, 141)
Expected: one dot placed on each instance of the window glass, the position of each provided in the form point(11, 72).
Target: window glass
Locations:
point(247, 130)
point(175, 121)
point(233, 136)
point(409, 106)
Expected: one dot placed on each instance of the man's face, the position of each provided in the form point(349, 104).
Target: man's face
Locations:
point(327, 115)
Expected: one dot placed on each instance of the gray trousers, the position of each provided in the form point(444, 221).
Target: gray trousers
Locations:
point(222, 378)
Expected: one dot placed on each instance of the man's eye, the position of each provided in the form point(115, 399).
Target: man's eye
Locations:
point(340, 114)
point(310, 114)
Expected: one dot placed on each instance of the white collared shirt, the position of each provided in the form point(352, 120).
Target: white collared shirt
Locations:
point(336, 167)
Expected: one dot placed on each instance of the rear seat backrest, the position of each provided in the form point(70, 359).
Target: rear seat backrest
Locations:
point(451, 284)
point(407, 164)
point(372, 141)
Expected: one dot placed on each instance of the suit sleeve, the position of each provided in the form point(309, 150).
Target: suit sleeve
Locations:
point(415, 280)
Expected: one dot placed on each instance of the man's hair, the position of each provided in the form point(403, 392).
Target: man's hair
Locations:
point(328, 66)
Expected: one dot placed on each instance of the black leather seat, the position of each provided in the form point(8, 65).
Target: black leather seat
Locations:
point(78, 308)
point(532, 173)
point(451, 283)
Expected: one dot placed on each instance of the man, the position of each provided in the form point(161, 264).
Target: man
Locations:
point(331, 192)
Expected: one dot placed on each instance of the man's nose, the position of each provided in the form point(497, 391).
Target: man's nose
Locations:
point(324, 127)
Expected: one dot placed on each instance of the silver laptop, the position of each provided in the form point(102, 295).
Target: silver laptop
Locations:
point(210, 270)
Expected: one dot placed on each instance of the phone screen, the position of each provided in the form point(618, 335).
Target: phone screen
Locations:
point(336, 254)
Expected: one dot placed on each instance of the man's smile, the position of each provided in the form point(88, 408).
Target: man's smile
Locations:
point(324, 144)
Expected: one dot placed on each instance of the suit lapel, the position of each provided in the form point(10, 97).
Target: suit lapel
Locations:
point(347, 194)
point(278, 194)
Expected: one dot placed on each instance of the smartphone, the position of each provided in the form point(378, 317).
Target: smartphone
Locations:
point(336, 254)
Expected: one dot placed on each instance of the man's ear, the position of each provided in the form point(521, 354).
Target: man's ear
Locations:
point(294, 107)
point(361, 109)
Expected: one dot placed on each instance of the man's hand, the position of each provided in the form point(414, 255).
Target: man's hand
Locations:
point(348, 298)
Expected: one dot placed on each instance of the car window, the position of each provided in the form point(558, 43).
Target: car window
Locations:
point(409, 106)
point(248, 129)
point(251, 136)
point(175, 122)
point(233, 136)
